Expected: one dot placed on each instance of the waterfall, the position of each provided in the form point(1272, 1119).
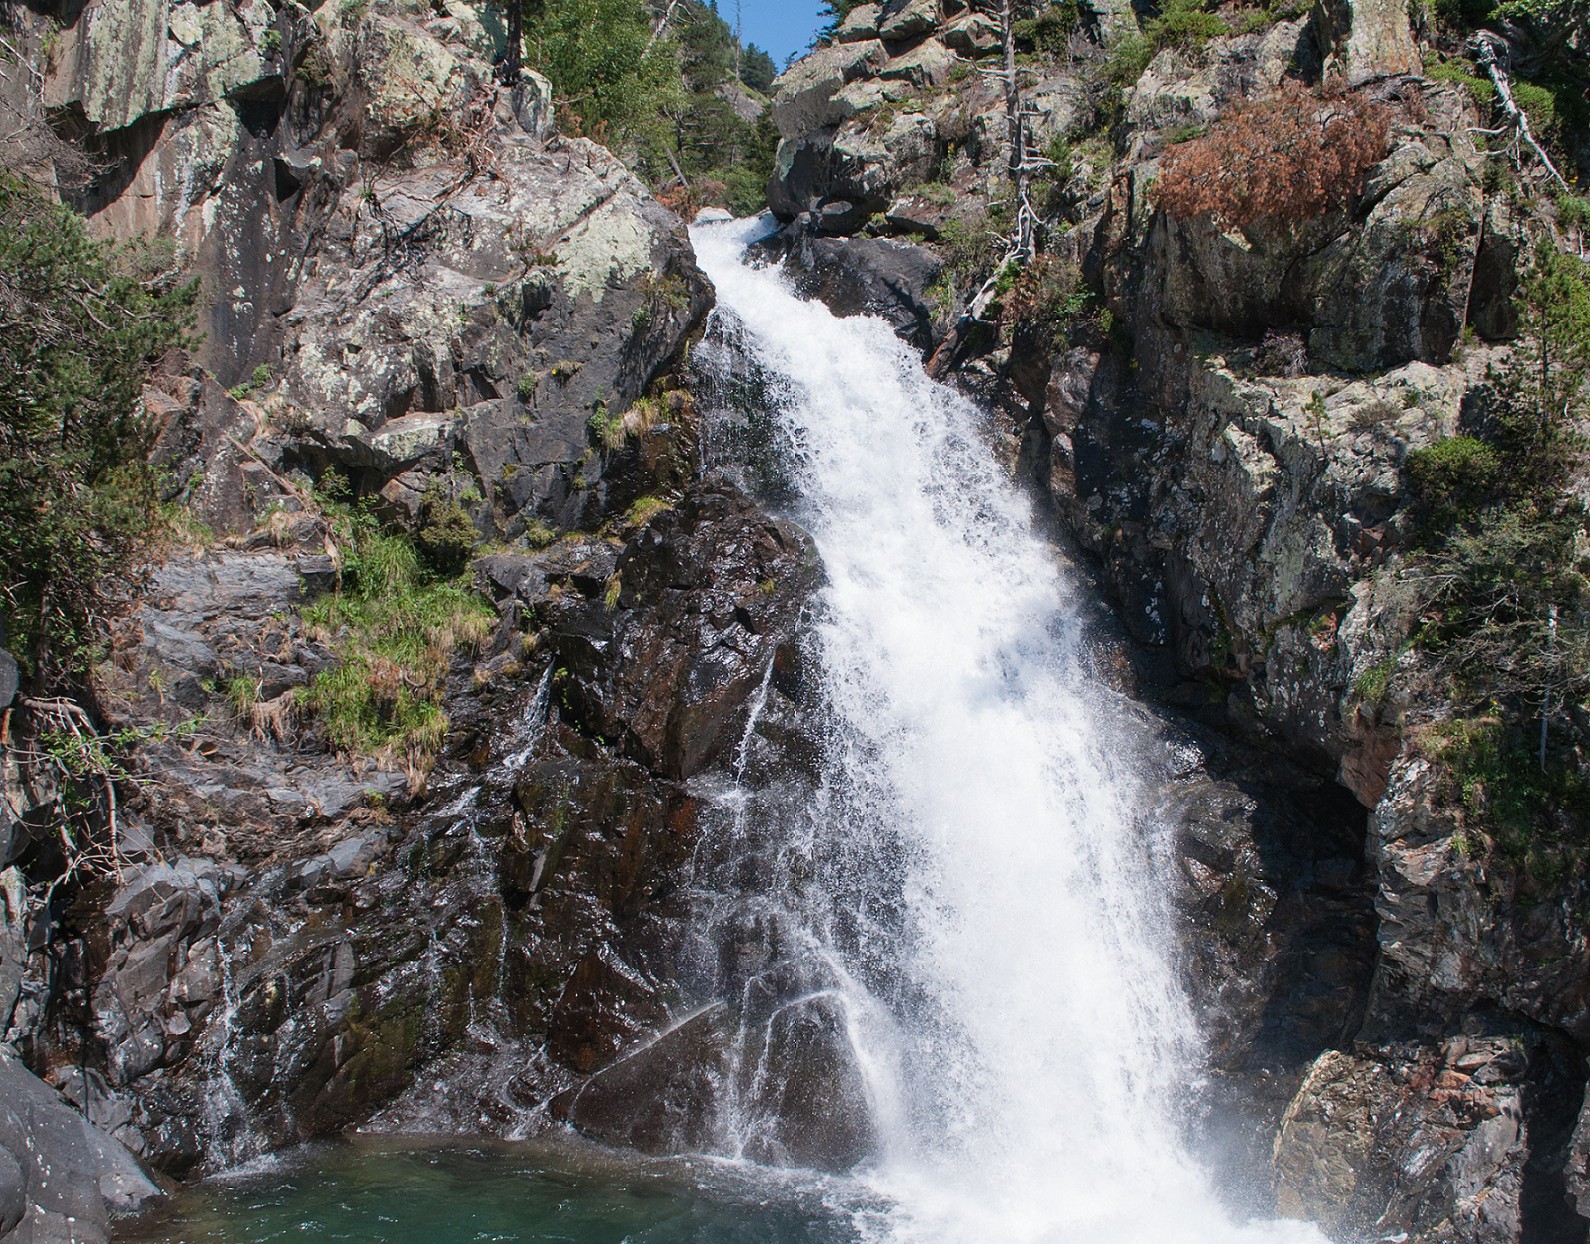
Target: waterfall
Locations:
point(981, 892)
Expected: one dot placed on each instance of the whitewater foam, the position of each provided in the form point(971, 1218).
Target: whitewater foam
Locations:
point(996, 892)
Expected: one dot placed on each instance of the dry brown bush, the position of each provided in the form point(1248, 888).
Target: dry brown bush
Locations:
point(1288, 157)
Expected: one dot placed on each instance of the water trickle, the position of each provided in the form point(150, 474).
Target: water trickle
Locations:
point(230, 1135)
point(973, 905)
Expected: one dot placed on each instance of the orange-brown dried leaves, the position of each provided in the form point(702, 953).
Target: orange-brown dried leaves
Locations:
point(1283, 159)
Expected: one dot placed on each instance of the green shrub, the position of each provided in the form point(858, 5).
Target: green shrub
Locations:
point(1185, 24)
point(1531, 814)
point(1573, 212)
point(595, 53)
point(1047, 294)
point(970, 248)
point(1453, 480)
point(1504, 612)
point(935, 192)
point(1374, 681)
point(606, 429)
point(78, 499)
point(1540, 103)
point(446, 536)
point(1050, 31)
point(1127, 60)
point(1463, 15)
point(1461, 73)
point(645, 509)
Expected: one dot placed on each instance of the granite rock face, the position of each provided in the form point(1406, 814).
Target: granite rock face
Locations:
point(393, 294)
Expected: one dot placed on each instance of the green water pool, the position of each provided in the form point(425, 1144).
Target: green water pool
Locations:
point(382, 1192)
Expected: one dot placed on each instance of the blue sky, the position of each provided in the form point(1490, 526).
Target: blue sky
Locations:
point(779, 26)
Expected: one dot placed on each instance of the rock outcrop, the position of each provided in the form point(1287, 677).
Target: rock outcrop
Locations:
point(406, 266)
point(60, 1175)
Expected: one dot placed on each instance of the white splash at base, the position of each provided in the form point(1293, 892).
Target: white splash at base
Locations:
point(993, 889)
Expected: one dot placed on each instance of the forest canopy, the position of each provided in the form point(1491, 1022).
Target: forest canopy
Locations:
point(667, 85)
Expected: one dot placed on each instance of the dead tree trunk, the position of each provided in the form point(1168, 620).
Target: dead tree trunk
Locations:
point(1488, 52)
point(657, 33)
point(513, 57)
point(1016, 124)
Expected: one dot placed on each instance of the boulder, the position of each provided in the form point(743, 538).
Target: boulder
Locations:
point(873, 276)
point(860, 24)
point(1425, 1141)
point(60, 1177)
point(803, 97)
point(660, 1097)
point(928, 64)
point(971, 34)
point(470, 342)
point(900, 20)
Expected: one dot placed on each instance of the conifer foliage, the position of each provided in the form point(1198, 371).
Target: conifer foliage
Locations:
point(666, 85)
point(1280, 160)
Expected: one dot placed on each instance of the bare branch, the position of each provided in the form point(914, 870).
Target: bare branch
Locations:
point(1487, 54)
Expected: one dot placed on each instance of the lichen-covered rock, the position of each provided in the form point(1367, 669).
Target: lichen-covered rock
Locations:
point(803, 97)
point(900, 20)
point(929, 64)
point(386, 235)
point(1364, 39)
point(526, 302)
point(125, 60)
point(860, 24)
point(1431, 1143)
point(1181, 88)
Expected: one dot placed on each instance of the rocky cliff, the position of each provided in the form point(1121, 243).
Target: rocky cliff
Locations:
point(415, 288)
point(421, 302)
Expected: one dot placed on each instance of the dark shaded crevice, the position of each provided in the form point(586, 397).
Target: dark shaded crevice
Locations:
point(1554, 1090)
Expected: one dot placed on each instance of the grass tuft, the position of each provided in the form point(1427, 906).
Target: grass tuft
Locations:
point(394, 627)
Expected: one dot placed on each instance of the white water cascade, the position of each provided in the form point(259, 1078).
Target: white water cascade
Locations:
point(1012, 1002)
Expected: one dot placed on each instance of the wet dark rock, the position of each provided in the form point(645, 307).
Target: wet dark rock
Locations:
point(657, 1098)
point(60, 1177)
point(704, 597)
point(1275, 890)
point(513, 575)
point(872, 276)
point(813, 1094)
